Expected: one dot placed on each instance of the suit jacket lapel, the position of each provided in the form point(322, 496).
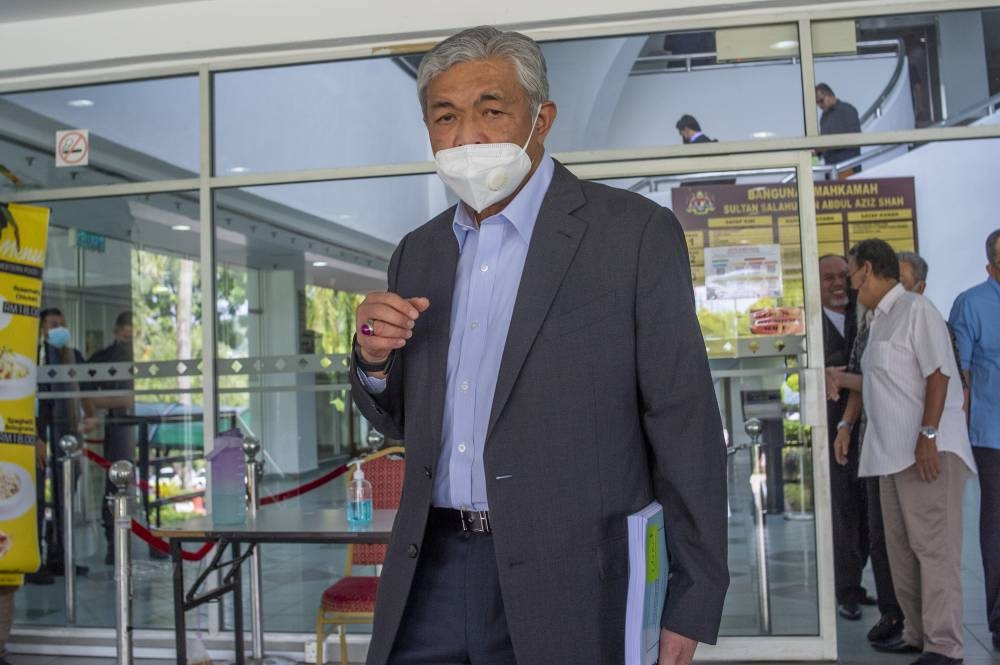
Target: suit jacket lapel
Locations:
point(553, 245)
point(440, 291)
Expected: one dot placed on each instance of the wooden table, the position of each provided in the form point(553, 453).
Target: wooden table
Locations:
point(272, 525)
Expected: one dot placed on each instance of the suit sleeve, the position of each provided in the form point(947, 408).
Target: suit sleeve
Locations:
point(384, 410)
point(682, 424)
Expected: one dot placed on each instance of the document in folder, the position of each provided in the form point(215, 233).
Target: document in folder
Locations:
point(648, 569)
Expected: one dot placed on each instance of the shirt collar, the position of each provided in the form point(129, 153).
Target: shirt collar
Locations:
point(521, 212)
point(995, 285)
point(890, 298)
point(694, 137)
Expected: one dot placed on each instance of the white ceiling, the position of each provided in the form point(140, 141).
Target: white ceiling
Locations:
point(28, 10)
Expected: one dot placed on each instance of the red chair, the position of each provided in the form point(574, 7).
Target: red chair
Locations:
point(351, 599)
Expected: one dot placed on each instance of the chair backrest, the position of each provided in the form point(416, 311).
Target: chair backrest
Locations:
point(384, 470)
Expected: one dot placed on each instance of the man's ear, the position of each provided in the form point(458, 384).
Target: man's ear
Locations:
point(546, 118)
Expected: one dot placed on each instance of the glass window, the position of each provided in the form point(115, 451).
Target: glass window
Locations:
point(138, 131)
point(903, 72)
point(122, 274)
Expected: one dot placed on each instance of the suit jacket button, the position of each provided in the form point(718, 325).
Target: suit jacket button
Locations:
point(411, 551)
point(427, 471)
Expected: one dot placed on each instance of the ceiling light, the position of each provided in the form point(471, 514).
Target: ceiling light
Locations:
point(762, 135)
point(80, 103)
point(239, 169)
point(784, 44)
point(181, 227)
point(320, 264)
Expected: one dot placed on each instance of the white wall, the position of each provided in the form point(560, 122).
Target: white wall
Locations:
point(957, 204)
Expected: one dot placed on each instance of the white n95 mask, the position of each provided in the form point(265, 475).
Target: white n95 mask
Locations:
point(482, 174)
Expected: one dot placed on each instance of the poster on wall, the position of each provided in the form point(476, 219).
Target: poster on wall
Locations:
point(23, 239)
point(745, 247)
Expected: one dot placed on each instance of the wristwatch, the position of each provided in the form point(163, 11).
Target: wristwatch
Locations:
point(929, 432)
point(372, 368)
point(844, 423)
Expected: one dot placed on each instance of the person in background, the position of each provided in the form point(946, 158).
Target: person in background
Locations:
point(56, 418)
point(119, 437)
point(975, 319)
point(847, 497)
point(917, 443)
point(913, 276)
point(690, 130)
point(838, 117)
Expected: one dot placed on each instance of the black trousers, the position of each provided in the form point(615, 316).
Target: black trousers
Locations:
point(119, 444)
point(850, 525)
point(887, 603)
point(988, 463)
point(454, 614)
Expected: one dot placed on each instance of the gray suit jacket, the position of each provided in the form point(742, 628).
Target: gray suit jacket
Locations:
point(603, 402)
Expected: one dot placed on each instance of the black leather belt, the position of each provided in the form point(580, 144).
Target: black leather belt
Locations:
point(473, 521)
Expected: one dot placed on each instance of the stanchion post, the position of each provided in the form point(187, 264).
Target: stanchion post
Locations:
point(70, 447)
point(251, 447)
point(121, 475)
point(758, 483)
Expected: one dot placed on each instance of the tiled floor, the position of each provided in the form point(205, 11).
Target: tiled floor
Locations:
point(296, 574)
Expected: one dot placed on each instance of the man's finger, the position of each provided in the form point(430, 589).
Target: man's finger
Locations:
point(384, 313)
point(420, 303)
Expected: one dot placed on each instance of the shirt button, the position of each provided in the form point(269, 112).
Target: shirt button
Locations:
point(484, 268)
point(411, 550)
point(461, 447)
point(465, 385)
point(474, 325)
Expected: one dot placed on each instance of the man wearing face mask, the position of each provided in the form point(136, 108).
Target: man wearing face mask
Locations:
point(538, 351)
point(119, 437)
point(56, 418)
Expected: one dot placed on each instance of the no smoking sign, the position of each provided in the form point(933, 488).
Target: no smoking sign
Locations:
point(72, 147)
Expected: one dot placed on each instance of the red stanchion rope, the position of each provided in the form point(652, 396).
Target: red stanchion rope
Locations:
point(140, 530)
point(161, 545)
point(302, 489)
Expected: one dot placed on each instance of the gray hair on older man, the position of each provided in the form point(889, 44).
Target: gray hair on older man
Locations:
point(483, 43)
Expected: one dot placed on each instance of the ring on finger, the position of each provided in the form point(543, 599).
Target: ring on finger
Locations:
point(368, 328)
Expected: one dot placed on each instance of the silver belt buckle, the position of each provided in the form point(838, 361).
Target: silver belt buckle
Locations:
point(476, 521)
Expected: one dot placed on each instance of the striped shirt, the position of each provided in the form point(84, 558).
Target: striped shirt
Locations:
point(907, 342)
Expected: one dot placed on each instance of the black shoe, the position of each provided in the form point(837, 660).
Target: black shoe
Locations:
point(42, 578)
point(109, 556)
point(886, 628)
point(895, 645)
point(4, 661)
point(931, 658)
point(996, 640)
point(849, 611)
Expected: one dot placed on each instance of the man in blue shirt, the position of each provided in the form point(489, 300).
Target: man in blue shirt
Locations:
point(975, 318)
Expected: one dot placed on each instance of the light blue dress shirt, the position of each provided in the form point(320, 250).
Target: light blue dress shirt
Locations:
point(975, 318)
point(490, 263)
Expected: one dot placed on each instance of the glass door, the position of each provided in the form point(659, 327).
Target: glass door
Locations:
point(750, 227)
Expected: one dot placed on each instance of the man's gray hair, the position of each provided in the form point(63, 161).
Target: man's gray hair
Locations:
point(482, 43)
point(992, 255)
point(917, 264)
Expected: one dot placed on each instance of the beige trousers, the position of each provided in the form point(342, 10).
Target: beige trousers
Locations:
point(923, 535)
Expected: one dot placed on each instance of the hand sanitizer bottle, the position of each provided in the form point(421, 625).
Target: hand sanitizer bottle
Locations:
point(359, 498)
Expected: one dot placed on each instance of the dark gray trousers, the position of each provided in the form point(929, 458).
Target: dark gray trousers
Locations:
point(988, 464)
point(454, 614)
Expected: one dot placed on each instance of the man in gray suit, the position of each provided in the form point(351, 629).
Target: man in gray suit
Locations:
point(538, 351)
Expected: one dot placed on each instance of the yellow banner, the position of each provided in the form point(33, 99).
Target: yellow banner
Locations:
point(23, 239)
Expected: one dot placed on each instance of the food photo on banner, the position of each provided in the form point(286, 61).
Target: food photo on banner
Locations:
point(23, 238)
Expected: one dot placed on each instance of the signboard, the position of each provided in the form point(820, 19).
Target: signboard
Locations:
point(23, 238)
point(745, 247)
point(847, 211)
point(72, 147)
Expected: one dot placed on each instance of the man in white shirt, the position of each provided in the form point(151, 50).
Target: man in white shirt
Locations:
point(918, 443)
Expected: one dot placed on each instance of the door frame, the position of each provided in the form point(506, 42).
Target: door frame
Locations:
point(821, 647)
